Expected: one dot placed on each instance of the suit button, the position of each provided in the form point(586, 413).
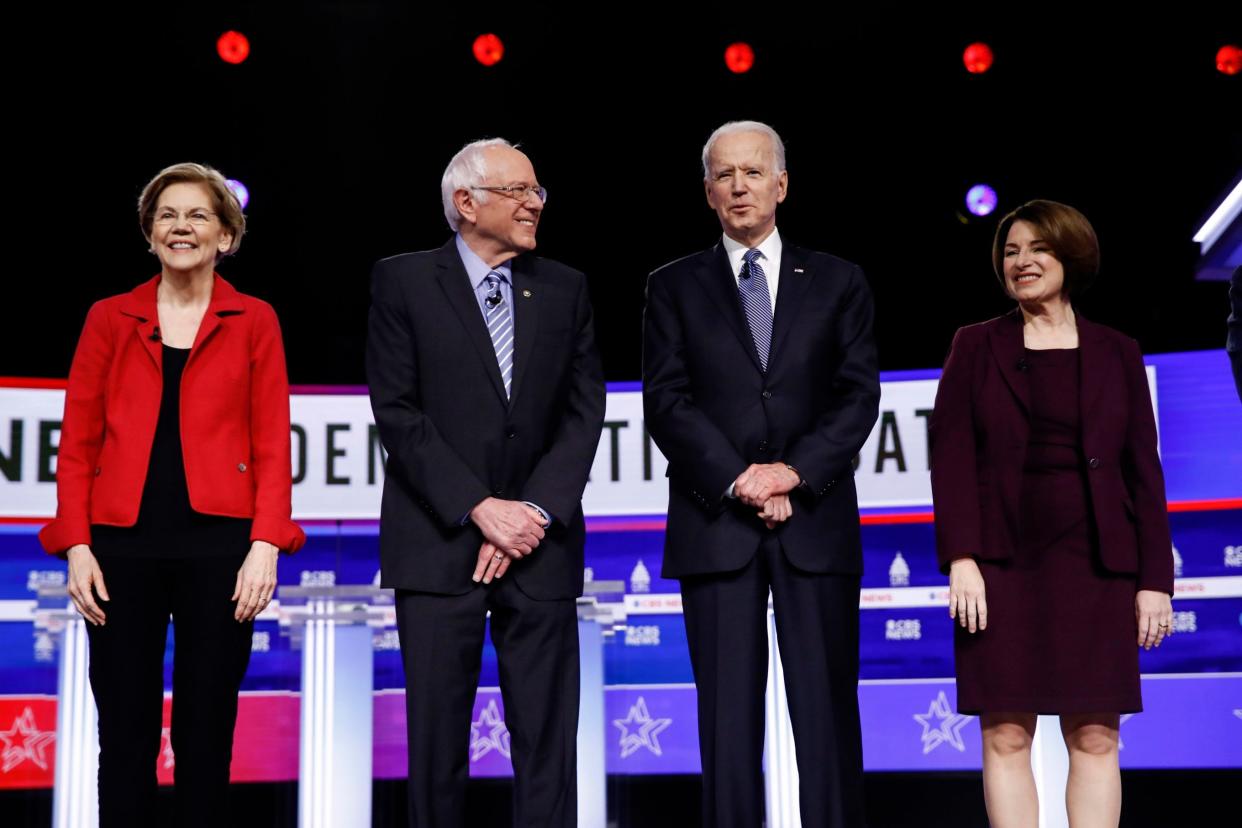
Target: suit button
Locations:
point(241, 467)
point(763, 445)
point(767, 395)
point(98, 471)
point(1094, 462)
point(498, 492)
point(511, 434)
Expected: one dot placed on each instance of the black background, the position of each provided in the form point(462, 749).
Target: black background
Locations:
point(345, 114)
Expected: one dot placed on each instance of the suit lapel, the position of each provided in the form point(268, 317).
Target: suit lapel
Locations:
point(1093, 366)
point(1007, 344)
point(717, 280)
point(794, 282)
point(455, 283)
point(526, 298)
point(224, 302)
point(139, 304)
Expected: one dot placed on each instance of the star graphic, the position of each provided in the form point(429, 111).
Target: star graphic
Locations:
point(1125, 717)
point(489, 733)
point(639, 730)
point(1238, 713)
point(166, 751)
point(947, 728)
point(24, 741)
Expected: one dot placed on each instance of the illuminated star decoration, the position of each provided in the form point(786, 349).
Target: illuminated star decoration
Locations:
point(639, 730)
point(947, 727)
point(24, 742)
point(489, 733)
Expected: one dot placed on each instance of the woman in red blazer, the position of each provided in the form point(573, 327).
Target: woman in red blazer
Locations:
point(1050, 520)
point(173, 490)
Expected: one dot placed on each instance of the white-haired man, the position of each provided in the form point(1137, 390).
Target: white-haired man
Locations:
point(760, 386)
point(489, 397)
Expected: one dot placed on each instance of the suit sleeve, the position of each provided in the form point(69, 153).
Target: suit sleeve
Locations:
point(827, 451)
point(954, 454)
point(1144, 479)
point(559, 478)
point(81, 434)
point(416, 451)
point(694, 446)
point(269, 436)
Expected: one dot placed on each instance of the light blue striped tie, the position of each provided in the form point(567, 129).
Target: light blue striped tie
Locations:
point(500, 328)
point(752, 286)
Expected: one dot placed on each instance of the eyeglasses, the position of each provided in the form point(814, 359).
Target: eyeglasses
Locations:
point(198, 218)
point(518, 192)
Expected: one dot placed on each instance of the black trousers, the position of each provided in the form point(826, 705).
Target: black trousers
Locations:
point(817, 632)
point(537, 648)
point(211, 653)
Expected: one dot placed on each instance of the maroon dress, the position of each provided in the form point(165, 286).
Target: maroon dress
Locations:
point(1061, 630)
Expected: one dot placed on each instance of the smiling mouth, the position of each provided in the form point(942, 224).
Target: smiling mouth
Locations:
point(181, 246)
point(1025, 279)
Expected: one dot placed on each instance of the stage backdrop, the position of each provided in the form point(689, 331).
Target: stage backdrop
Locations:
point(1192, 685)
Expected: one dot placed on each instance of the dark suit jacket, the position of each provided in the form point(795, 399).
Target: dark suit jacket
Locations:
point(713, 411)
point(979, 432)
point(453, 439)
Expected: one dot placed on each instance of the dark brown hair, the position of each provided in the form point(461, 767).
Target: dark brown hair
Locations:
point(1065, 230)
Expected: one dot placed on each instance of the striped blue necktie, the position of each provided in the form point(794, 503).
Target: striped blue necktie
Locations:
point(752, 286)
point(500, 328)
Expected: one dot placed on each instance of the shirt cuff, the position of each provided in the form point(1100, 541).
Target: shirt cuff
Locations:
point(547, 519)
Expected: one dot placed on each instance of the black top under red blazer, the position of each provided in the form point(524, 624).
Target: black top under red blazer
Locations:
point(713, 410)
point(979, 432)
point(453, 438)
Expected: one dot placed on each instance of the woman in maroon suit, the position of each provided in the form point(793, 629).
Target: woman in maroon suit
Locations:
point(1050, 520)
point(173, 498)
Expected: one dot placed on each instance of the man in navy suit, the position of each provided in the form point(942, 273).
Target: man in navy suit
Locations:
point(760, 386)
point(489, 397)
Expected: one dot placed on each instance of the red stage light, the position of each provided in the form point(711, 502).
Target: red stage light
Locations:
point(233, 47)
point(978, 58)
point(1229, 59)
point(739, 57)
point(488, 50)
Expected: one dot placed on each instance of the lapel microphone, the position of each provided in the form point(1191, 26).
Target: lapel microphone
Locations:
point(1022, 366)
point(493, 299)
point(155, 335)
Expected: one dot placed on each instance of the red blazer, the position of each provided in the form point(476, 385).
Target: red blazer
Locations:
point(234, 418)
point(979, 433)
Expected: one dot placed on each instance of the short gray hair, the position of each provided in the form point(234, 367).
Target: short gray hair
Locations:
point(467, 169)
point(733, 127)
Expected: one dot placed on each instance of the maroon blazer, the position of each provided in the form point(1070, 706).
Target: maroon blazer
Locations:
point(979, 433)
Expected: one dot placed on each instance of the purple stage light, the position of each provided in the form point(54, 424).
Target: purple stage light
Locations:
point(239, 190)
point(981, 200)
